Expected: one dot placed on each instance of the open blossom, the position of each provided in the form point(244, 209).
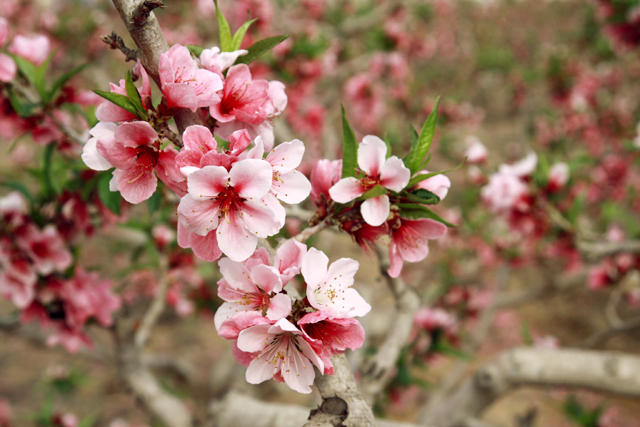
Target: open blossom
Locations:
point(17, 278)
point(288, 259)
point(200, 149)
point(35, 49)
point(522, 168)
point(410, 240)
point(288, 184)
point(280, 351)
point(476, 151)
point(256, 289)
point(90, 155)
point(329, 288)
point(183, 84)
point(134, 150)
point(228, 203)
point(248, 104)
point(390, 173)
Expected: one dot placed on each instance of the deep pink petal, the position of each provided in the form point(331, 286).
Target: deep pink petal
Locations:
point(135, 184)
point(239, 141)
point(134, 134)
point(375, 211)
point(204, 247)
point(116, 154)
point(412, 238)
point(199, 138)
point(180, 95)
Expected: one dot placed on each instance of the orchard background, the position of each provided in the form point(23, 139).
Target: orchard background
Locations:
point(524, 314)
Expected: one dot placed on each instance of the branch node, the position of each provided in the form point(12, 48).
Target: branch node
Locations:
point(144, 9)
point(115, 42)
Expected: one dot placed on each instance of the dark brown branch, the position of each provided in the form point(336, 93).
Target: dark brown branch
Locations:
point(115, 42)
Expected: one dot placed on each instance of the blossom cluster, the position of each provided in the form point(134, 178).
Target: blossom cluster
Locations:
point(277, 335)
point(380, 218)
point(38, 276)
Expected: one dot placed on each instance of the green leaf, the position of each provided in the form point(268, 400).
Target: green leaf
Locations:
point(376, 191)
point(236, 41)
point(258, 48)
point(444, 347)
point(195, 50)
point(111, 199)
point(89, 420)
point(154, 202)
point(39, 82)
point(421, 177)
point(575, 210)
point(423, 196)
point(134, 96)
point(388, 142)
point(421, 148)
point(525, 333)
point(349, 148)
point(63, 79)
point(225, 31)
point(415, 211)
point(19, 187)
point(26, 68)
point(120, 100)
point(22, 107)
point(49, 180)
point(414, 137)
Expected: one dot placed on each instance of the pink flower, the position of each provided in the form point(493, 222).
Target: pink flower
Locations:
point(46, 249)
point(5, 412)
point(257, 289)
point(329, 336)
point(522, 168)
point(4, 30)
point(390, 173)
point(435, 318)
point(288, 259)
point(90, 155)
point(183, 84)
point(281, 351)
point(204, 247)
point(216, 61)
point(134, 150)
point(558, 176)
point(86, 296)
point(410, 241)
point(35, 49)
point(329, 288)
point(323, 176)
point(163, 236)
point(8, 68)
point(17, 278)
point(505, 191)
point(110, 112)
point(288, 184)
point(438, 185)
point(248, 104)
point(71, 340)
point(229, 202)
point(476, 151)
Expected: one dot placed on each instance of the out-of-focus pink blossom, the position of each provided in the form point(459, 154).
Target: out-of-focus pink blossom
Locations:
point(558, 176)
point(476, 151)
point(35, 49)
point(4, 30)
point(6, 415)
point(505, 191)
point(548, 342)
point(163, 236)
point(87, 296)
point(8, 68)
point(390, 173)
point(522, 168)
point(45, 248)
point(601, 275)
point(71, 340)
point(435, 318)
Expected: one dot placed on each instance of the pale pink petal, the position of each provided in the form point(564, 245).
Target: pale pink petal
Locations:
point(292, 187)
point(259, 219)
point(289, 258)
point(375, 211)
point(286, 156)
point(243, 358)
point(251, 178)
point(206, 84)
point(134, 185)
point(234, 240)
point(395, 260)
point(169, 173)
point(413, 236)
point(260, 369)
point(314, 267)
point(297, 369)
point(252, 339)
point(394, 175)
point(371, 155)
point(278, 96)
point(8, 68)
point(207, 182)
point(226, 312)
point(165, 70)
point(92, 158)
point(198, 216)
point(279, 307)
point(346, 190)
point(231, 328)
point(236, 275)
point(265, 277)
point(204, 247)
point(109, 112)
point(272, 202)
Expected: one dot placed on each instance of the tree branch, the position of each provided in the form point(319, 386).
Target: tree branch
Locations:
point(306, 234)
point(604, 372)
point(115, 42)
point(376, 371)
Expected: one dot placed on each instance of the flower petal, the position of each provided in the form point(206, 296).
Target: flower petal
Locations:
point(292, 187)
point(198, 216)
point(207, 182)
point(314, 267)
point(286, 156)
point(234, 240)
point(394, 175)
point(251, 178)
point(346, 190)
point(375, 211)
point(371, 154)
